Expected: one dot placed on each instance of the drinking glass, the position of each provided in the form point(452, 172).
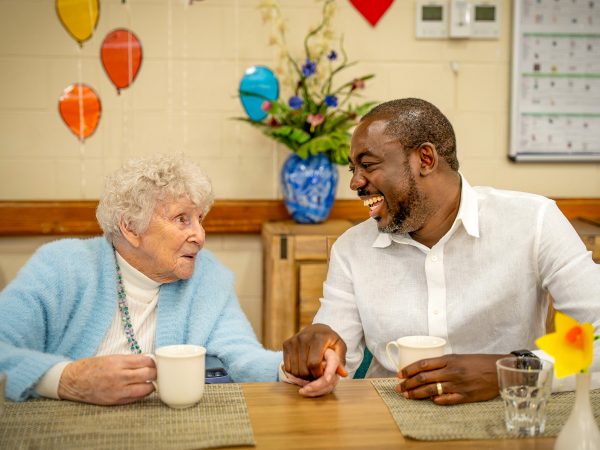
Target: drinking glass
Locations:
point(525, 385)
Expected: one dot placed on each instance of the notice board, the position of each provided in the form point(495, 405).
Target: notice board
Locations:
point(555, 98)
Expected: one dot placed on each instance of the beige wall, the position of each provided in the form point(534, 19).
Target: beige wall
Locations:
point(185, 93)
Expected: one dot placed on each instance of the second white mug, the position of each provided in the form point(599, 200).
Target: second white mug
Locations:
point(409, 349)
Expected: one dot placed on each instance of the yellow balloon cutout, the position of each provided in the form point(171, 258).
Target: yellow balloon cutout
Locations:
point(79, 17)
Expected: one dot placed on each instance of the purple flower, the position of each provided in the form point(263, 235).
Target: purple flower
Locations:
point(332, 55)
point(266, 105)
point(295, 102)
point(309, 68)
point(331, 100)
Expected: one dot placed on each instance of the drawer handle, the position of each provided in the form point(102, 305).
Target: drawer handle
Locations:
point(283, 247)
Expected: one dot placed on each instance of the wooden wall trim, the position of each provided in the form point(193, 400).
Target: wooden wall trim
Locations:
point(76, 217)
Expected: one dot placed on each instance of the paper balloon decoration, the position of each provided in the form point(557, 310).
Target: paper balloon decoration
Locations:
point(80, 108)
point(257, 85)
point(372, 10)
point(79, 17)
point(121, 55)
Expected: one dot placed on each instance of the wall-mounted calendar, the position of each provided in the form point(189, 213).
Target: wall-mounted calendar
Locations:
point(555, 108)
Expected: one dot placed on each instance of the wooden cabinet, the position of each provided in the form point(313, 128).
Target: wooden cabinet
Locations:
point(589, 232)
point(295, 267)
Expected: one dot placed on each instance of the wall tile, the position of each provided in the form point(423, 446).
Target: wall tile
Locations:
point(474, 94)
point(26, 134)
point(22, 83)
point(477, 135)
point(36, 178)
point(433, 82)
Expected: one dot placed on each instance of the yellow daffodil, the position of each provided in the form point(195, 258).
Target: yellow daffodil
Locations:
point(572, 345)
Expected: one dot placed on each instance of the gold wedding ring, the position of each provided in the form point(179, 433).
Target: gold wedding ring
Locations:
point(439, 388)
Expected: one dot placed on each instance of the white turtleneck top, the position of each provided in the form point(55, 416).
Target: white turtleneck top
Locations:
point(142, 297)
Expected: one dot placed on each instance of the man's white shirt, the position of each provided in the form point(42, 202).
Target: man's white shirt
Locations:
point(482, 287)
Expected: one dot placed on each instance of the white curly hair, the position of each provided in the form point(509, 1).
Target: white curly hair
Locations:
point(133, 192)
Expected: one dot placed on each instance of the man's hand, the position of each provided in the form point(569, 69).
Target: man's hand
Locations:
point(463, 378)
point(323, 385)
point(304, 353)
point(108, 380)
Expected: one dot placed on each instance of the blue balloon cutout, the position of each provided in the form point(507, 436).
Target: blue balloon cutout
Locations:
point(257, 85)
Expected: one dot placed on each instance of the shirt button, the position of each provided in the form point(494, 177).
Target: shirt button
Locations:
point(434, 258)
point(436, 311)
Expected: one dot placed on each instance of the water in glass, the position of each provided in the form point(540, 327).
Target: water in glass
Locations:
point(525, 409)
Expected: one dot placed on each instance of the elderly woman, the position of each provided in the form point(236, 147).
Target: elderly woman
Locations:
point(81, 313)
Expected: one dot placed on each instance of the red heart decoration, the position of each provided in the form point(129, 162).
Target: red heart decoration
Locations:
point(372, 10)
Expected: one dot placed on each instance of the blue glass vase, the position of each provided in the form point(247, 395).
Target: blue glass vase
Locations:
point(309, 187)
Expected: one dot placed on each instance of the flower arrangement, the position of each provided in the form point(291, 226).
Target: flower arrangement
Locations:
point(318, 115)
point(571, 345)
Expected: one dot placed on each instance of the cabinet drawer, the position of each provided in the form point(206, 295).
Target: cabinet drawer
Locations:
point(311, 247)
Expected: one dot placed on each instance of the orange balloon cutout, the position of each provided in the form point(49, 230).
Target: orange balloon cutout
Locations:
point(79, 17)
point(121, 55)
point(80, 108)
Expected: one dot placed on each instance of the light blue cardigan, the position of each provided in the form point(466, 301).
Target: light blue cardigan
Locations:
point(62, 302)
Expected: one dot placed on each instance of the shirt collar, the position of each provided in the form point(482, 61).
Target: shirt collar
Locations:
point(468, 215)
point(468, 212)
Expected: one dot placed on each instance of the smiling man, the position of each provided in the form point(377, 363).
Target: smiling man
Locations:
point(438, 257)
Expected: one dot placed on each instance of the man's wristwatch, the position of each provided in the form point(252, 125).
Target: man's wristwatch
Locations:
point(523, 363)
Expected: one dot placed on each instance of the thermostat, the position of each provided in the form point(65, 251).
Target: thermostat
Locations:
point(486, 20)
point(478, 19)
point(432, 19)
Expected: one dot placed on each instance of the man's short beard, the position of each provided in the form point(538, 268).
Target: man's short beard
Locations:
point(410, 214)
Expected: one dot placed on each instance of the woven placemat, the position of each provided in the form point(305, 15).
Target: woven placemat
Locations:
point(220, 419)
point(424, 420)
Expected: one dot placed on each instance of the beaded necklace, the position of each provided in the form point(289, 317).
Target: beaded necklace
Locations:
point(124, 310)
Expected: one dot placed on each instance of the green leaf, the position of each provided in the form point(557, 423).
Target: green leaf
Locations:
point(294, 134)
point(336, 145)
point(365, 108)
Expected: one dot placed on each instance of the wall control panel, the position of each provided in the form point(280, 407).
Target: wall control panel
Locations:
point(485, 23)
point(432, 19)
point(460, 19)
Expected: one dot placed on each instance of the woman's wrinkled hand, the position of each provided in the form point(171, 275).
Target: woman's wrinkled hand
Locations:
point(108, 380)
point(304, 353)
point(330, 378)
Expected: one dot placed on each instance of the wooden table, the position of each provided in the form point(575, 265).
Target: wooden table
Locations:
point(354, 417)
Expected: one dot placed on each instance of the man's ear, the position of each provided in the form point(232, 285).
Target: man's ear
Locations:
point(428, 158)
point(131, 236)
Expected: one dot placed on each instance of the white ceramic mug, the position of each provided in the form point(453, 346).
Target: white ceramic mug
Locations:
point(409, 349)
point(180, 374)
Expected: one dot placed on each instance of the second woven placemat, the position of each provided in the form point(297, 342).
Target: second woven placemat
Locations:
point(220, 419)
point(424, 420)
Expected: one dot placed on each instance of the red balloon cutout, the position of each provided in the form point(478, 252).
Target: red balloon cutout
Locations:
point(80, 108)
point(121, 55)
point(372, 10)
